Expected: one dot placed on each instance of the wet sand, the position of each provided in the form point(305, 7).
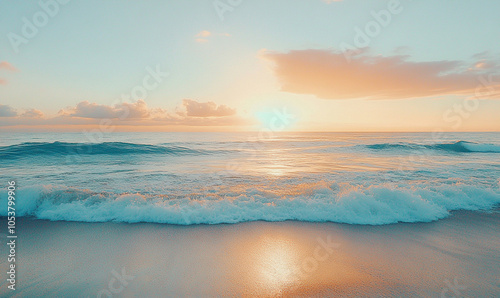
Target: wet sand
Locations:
point(454, 257)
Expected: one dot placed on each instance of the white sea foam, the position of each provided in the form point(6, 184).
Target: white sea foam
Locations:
point(343, 203)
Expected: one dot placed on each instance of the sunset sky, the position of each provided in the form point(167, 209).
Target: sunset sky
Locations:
point(231, 65)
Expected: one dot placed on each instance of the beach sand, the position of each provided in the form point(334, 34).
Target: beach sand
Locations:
point(454, 257)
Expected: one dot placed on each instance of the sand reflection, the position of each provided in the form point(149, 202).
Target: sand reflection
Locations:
point(277, 262)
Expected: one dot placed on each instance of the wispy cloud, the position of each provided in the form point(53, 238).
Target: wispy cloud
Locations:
point(7, 65)
point(4, 65)
point(204, 35)
point(328, 75)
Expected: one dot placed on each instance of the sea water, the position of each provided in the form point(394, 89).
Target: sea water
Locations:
point(212, 178)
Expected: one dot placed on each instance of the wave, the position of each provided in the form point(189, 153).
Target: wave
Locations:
point(326, 202)
point(109, 148)
point(460, 146)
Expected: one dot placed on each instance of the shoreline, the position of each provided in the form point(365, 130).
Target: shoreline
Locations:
point(459, 253)
point(495, 209)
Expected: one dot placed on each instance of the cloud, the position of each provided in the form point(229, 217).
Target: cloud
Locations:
point(329, 75)
point(483, 64)
point(189, 113)
point(6, 66)
point(203, 36)
point(32, 113)
point(7, 111)
point(140, 110)
point(136, 110)
point(203, 33)
point(206, 109)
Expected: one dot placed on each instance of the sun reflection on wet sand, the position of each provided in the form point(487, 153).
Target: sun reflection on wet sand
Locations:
point(277, 263)
point(265, 263)
point(274, 264)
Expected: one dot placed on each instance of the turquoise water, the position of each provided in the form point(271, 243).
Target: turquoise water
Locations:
point(210, 178)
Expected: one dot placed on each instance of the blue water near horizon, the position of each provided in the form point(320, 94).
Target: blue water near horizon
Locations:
point(211, 178)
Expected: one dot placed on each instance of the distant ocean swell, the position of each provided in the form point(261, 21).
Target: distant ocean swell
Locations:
point(460, 146)
point(107, 148)
point(122, 148)
point(329, 202)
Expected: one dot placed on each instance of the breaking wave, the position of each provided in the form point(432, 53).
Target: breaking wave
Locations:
point(328, 202)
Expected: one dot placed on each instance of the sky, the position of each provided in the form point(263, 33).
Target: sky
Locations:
point(238, 65)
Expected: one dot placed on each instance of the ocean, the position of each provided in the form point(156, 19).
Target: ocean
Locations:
point(213, 178)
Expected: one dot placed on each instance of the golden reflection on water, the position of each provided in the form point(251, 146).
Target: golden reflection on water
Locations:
point(278, 163)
